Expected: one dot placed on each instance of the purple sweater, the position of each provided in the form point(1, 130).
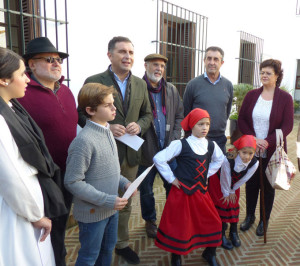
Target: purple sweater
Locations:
point(281, 117)
point(55, 114)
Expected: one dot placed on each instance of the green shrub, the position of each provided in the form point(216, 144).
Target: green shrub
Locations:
point(239, 93)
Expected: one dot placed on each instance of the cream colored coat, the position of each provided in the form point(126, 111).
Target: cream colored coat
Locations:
point(21, 202)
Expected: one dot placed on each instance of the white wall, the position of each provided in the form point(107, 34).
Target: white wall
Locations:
point(94, 23)
point(93, 26)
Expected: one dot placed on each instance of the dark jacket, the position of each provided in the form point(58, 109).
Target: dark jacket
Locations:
point(281, 117)
point(31, 144)
point(56, 116)
point(135, 109)
point(174, 116)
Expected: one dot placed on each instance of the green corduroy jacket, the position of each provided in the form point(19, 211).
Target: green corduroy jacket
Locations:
point(138, 110)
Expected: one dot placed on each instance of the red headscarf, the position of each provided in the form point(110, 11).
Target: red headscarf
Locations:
point(193, 117)
point(245, 141)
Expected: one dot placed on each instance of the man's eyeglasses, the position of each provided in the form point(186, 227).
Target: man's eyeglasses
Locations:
point(267, 73)
point(50, 59)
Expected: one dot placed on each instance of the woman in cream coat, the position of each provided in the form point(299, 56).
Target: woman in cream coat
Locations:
point(24, 205)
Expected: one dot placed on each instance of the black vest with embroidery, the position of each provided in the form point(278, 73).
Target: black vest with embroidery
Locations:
point(192, 168)
point(237, 176)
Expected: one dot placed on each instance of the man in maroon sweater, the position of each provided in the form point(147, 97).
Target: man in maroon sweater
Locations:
point(52, 105)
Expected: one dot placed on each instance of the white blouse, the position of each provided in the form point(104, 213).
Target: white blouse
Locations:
point(261, 119)
point(198, 145)
point(239, 166)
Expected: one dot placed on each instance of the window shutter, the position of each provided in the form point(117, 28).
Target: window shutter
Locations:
point(251, 49)
point(182, 38)
point(31, 24)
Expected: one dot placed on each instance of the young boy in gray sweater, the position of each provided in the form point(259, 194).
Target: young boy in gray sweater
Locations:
point(93, 177)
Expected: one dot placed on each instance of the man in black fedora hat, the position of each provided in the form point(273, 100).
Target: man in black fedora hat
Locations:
point(41, 45)
point(52, 105)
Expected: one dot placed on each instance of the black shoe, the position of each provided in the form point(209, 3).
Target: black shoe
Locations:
point(151, 229)
point(224, 226)
point(235, 240)
point(175, 260)
point(128, 254)
point(210, 258)
point(249, 220)
point(260, 228)
point(226, 243)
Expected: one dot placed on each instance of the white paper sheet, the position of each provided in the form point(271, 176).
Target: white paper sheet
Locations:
point(133, 141)
point(136, 183)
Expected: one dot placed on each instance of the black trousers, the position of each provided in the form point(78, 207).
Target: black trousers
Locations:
point(58, 231)
point(252, 191)
point(221, 141)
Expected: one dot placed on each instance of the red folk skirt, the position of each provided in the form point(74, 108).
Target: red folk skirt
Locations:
point(188, 222)
point(228, 213)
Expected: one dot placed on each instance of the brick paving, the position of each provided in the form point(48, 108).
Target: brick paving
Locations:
point(283, 236)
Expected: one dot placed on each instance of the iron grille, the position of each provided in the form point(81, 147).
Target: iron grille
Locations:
point(251, 50)
point(181, 35)
point(24, 20)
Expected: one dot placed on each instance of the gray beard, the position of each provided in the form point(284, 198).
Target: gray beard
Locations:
point(153, 78)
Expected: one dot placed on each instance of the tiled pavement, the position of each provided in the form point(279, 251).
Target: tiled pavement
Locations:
point(283, 236)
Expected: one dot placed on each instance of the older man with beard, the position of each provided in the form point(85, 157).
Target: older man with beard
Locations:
point(167, 110)
point(52, 105)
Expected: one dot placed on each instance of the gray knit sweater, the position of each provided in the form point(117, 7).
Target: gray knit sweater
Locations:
point(93, 174)
point(216, 99)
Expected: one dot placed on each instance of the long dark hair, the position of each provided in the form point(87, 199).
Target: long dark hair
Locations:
point(276, 65)
point(9, 63)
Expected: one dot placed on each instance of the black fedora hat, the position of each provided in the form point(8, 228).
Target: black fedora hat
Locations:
point(41, 45)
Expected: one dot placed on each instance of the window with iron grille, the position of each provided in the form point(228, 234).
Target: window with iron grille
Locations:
point(24, 20)
point(182, 37)
point(251, 49)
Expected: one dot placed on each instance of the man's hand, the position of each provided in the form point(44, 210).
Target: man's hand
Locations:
point(133, 128)
point(120, 203)
point(46, 224)
point(117, 130)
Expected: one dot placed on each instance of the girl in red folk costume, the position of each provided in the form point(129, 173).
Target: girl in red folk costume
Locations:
point(190, 219)
point(224, 189)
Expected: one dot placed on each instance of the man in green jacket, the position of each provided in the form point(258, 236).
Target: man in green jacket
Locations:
point(133, 117)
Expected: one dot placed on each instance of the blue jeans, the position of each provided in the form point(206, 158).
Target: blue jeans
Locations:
point(97, 241)
point(146, 191)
